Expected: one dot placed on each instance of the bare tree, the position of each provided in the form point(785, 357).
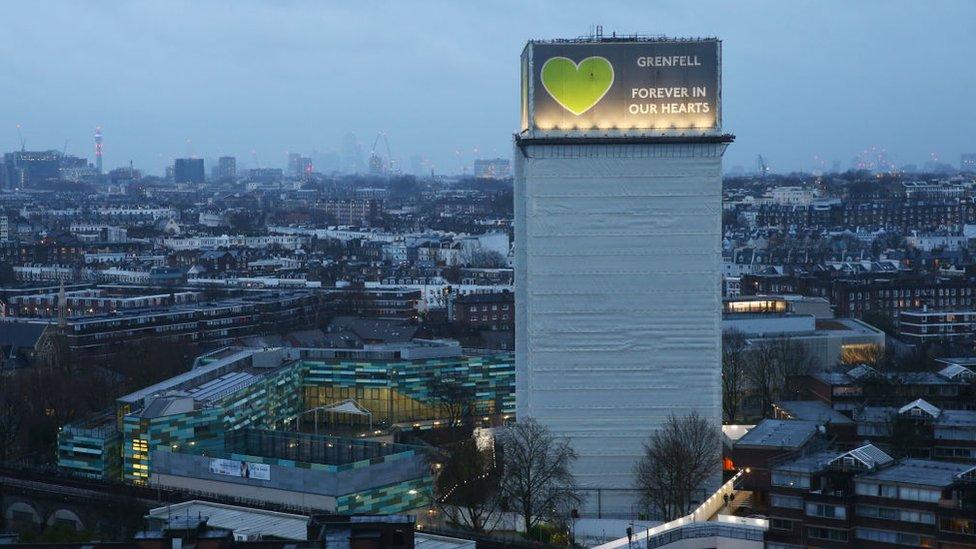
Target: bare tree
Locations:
point(733, 373)
point(775, 369)
point(11, 416)
point(678, 461)
point(490, 259)
point(468, 490)
point(536, 476)
point(455, 400)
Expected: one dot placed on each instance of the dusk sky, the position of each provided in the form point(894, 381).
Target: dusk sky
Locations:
point(823, 79)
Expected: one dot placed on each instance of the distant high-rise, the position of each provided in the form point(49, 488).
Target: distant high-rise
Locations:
point(294, 164)
point(189, 170)
point(967, 162)
point(227, 167)
point(417, 165)
point(98, 149)
point(352, 154)
point(618, 228)
point(26, 169)
point(492, 168)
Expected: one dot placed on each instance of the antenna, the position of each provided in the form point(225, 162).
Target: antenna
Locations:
point(98, 149)
point(20, 134)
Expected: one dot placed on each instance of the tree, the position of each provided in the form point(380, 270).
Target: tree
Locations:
point(733, 373)
point(486, 259)
point(678, 460)
point(11, 416)
point(455, 400)
point(468, 490)
point(536, 476)
point(774, 371)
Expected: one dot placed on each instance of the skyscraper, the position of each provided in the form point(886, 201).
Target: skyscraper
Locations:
point(617, 229)
point(188, 170)
point(98, 149)
point(226, 167)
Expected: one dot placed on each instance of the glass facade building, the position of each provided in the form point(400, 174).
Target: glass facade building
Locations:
point(242, 389)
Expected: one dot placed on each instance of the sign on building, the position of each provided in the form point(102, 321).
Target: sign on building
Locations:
point(243, 469)
point(607, 87)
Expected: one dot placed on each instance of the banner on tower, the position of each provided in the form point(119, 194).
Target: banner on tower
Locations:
point(610, 87)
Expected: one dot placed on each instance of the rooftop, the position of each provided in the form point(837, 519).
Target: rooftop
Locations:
point(779, 433)
point(809, 463)
point(241, 520)
point(813, 410)
point(921, 472)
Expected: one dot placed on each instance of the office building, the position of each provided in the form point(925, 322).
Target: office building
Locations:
point(26, 169)
point(828, 341)
point(226, 167)
point(618, 266)
point(492, 168)
point(188, 170)
point(230, 426)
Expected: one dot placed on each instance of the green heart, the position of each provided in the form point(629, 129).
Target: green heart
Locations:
point(577, 87)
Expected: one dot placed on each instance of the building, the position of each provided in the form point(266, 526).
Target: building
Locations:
point(950, 388)
point(792, 196)
point(216, 322)
point(927, 431)
point(188, 170)
point(618, 262)
point(355, 213)
point(828, 341)
point(394, 302)
point(227, 167)
point(237, 405)
point(493, 168)
point(967, 162)
point(864, 498)
point(952, 327)
point(27, 169)
point(491, 311)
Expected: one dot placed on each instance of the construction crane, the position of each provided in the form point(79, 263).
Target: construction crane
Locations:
point(20, 134)
point(376, 163)
point(762, 166)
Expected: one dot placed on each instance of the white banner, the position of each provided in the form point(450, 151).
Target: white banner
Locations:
point(243, 469)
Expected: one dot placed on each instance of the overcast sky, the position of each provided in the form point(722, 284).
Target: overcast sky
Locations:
point(802, 80)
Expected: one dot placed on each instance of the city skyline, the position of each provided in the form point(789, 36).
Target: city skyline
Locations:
point(201, 81)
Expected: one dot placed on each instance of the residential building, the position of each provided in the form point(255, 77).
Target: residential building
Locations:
point(188, 170)
point(618, 266)
point(493, 311)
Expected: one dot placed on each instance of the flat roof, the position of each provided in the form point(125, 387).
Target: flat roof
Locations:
point(241, 520)
point(779, 433)
point(920, 472)
point(810, 463)
point(813, 410)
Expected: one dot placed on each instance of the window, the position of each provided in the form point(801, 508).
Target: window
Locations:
point(826, 511)
point(780, 524)
point(958, 526)
point(885, 536)
point(831, 534)
point(889, 513)
point(792, 480)
point(789, 502)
